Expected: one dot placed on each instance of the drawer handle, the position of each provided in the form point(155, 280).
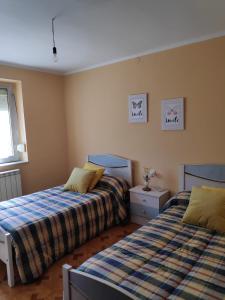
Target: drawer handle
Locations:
point(144, 200)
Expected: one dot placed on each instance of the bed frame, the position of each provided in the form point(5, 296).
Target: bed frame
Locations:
point(114, 165)
point(78, 285)
point(198, 175)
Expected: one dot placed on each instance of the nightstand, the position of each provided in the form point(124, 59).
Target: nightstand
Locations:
point(145, 206)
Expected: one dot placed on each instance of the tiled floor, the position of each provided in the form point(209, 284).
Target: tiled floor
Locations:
point(49, 286)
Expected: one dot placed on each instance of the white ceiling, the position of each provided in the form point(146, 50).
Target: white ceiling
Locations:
point(96, 32)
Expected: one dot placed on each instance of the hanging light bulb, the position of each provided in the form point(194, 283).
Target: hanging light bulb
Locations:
point(55, 57)
point(54, 50)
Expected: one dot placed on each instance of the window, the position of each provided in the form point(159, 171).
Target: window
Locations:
point(8, 125)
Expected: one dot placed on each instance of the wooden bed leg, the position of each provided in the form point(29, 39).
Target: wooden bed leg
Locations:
point(66, 282)
point(9, 261)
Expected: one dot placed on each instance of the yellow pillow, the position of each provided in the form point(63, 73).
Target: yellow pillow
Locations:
point(79, 180)
point(213, 188)
point(206, 208)
point(98, 173)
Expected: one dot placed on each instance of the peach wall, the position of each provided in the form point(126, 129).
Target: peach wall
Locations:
point(45, 128)
point(97, 112)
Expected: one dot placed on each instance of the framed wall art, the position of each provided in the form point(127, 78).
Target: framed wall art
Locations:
point(137, 106)
point(172, 114)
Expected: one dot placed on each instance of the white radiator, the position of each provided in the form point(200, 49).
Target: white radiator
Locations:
point(10, 185)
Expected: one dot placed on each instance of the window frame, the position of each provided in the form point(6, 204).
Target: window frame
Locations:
point(13, 123)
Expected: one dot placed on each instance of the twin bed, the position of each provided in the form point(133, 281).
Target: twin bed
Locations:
point(38, 229)
point(166, 259)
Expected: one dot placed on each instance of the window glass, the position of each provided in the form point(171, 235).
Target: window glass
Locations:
point(6, 142)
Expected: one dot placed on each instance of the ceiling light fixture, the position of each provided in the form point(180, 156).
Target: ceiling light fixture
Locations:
point(54, 50)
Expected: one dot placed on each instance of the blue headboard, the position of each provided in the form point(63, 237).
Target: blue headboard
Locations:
point(197, 175)
point(114, 165)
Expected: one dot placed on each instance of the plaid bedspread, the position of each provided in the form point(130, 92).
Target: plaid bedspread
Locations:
point(165, 259)
point(48, 224)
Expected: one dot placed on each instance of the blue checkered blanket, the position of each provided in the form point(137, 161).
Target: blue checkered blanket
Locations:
point(46, 225)
point(166, 259)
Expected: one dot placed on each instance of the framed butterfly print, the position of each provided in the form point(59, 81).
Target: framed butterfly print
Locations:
point(172, 114)
point(137, 105)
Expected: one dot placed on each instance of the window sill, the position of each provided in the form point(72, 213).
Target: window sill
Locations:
point(14, 163)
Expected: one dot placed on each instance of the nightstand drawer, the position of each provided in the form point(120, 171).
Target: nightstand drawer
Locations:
point(145, 205)
point(144, 200)
point(143, 210)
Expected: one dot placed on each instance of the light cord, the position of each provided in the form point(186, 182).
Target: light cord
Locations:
point(53, 31)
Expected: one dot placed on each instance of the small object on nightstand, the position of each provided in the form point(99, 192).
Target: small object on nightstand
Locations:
point(145, 205)
point(148, 174)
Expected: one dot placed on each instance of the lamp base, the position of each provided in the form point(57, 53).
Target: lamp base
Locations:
point(146, 189)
